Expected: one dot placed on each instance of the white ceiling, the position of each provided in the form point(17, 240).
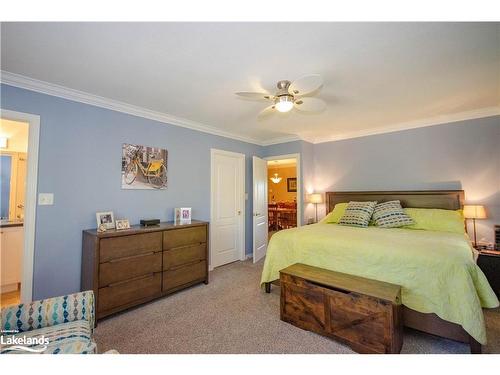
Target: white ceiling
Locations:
point(378, 76)
point(281, 163)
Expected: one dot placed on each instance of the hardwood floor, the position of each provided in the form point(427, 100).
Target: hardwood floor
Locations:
point(10, 298)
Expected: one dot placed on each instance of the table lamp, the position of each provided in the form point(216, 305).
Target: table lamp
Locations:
point(474, 212)
point(315, 198)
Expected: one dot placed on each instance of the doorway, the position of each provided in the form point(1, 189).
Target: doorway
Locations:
point(13, 159)
point(19, 135)
point(284, 192)
point(227, 207)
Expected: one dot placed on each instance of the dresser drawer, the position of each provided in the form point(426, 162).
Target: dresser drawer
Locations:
point(179, 256)
point(125, 292)
point(183, 237)
point(184, 275)
point(119, 247)
point(120, 269)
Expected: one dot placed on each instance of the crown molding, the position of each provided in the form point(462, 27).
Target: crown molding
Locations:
point(285, 139)
point(43, 87)
point(422, 123)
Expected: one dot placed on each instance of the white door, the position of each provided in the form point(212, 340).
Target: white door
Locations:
point(227, 224)
point(259, 208)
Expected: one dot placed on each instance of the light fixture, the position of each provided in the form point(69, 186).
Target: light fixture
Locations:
point(276, 179)
point(474, 212)
point(284, 103)
point(315, 198)
point(3, 142)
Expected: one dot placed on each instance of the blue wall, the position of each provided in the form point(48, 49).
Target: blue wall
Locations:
point(80, 161)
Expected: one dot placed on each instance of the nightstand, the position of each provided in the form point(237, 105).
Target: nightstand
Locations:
point(489, 262)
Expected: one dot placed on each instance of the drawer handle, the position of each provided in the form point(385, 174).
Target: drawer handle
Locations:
point(150, 275)
point(328, 287)
point(131, 257)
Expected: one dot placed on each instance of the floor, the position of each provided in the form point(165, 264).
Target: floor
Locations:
point(10, 298)
point(233, 315)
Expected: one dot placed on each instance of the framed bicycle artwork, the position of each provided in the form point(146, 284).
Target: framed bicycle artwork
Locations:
point(144, 167)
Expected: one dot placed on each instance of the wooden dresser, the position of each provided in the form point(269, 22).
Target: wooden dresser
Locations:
point(128, 267)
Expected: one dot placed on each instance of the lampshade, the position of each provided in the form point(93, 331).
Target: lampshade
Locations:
point(474, 211)
point(315, 198)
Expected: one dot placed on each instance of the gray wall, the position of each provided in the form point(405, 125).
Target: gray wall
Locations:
point(80, 161)
point(463, 155)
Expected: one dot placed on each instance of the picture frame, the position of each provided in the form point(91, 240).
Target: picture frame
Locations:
point(291, 184)
point(143, 167)
point(122, 224)
point(105, 218)
point(182, 215)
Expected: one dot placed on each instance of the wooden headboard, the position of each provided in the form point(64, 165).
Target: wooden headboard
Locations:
point(445, 199)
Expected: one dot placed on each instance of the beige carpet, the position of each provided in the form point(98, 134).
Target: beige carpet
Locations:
point(233, 315)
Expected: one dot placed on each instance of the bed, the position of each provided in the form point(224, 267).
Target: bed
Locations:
point(443, 289)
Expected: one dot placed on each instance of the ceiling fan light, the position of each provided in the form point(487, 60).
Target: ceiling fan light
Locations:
point(284, 103)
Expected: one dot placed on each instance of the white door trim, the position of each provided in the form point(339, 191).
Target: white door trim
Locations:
point(299, 181)
point(31, 191)
point(241, 240)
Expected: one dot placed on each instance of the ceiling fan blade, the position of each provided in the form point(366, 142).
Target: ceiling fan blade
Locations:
point(306, 84)
point(255, 95)
point(309, 104)
point(266, 112)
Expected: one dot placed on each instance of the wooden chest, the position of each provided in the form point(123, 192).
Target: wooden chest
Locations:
point(129, 267)
point(365, 314)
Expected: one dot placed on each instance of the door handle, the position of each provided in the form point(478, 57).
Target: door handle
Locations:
point(239, 212)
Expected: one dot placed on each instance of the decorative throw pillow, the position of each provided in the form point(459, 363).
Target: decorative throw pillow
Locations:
point(358, 214)
point(390, 215)
point(334, 216)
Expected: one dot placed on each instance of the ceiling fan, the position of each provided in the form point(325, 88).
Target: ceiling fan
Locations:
point(291, 95)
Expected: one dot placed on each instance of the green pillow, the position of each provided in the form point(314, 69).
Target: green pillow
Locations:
point(335, 215)
point(436, 219)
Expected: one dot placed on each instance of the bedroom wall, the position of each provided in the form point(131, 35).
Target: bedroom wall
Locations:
point(462, 155)
point(79, 161)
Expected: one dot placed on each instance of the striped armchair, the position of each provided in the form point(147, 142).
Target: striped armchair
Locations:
point(67, 322)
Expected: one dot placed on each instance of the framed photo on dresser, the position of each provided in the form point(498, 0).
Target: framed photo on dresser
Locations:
point(107, 219)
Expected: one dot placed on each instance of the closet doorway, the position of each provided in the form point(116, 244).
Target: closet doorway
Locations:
point(284, 192)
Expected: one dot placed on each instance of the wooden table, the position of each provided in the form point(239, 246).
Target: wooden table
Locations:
point(279, 212)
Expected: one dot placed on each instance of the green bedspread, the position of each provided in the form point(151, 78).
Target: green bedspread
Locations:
point(436, 270)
